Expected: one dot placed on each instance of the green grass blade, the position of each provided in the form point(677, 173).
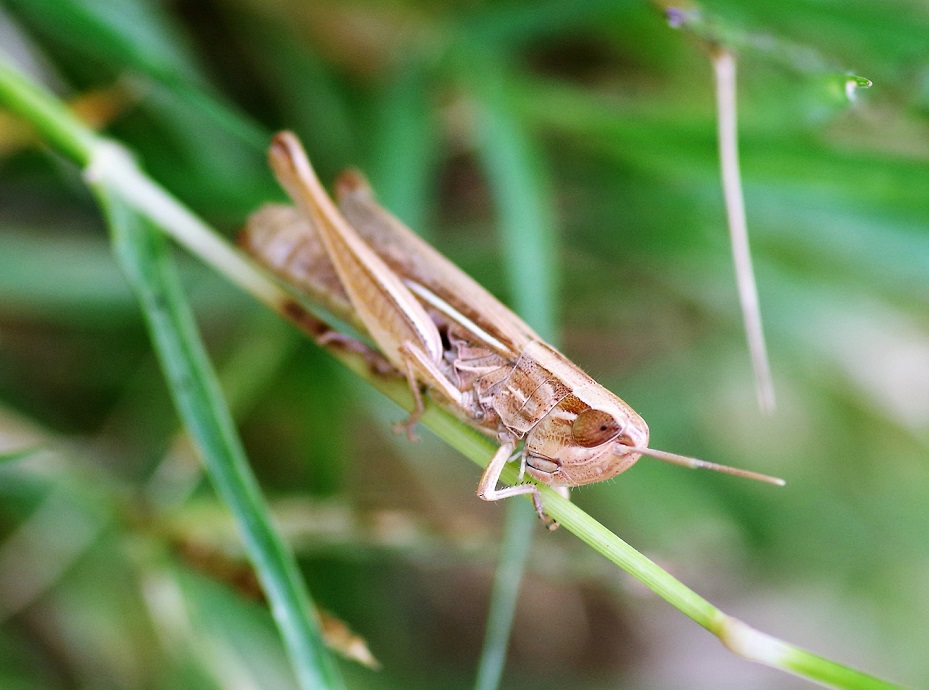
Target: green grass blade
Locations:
point(527, 229)
point(514, 170)
point(143, 38)
point(828, 673)
point(506, 25)
point(46, 113)
point(9, 456)
point(143, 256)
point(403, 160)
point(520, 523)
point(140, 36)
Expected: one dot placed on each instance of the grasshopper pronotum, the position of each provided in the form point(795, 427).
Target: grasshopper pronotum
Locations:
point(443, 331)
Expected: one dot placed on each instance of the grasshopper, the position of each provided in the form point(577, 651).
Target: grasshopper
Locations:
point(441, 330)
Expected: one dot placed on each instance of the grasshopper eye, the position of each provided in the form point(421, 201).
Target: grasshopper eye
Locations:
point(594, 427)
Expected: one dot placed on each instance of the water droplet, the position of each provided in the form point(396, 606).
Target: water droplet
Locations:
point(853, 83)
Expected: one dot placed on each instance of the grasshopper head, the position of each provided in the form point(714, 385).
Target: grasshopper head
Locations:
point(592, 435)
point(588, 437)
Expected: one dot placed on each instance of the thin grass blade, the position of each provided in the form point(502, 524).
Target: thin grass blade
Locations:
point(193, 384)
point(18, 454)
point(724, 70)
point(404, 151)
point(526, 226)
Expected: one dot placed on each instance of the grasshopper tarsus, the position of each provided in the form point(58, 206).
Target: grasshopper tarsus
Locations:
point(550, 524)
point(407, 427)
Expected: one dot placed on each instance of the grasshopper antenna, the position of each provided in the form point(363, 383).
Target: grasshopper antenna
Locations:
point(697, 464)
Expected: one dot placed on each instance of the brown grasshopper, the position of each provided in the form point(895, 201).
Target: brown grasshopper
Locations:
point(442, 330)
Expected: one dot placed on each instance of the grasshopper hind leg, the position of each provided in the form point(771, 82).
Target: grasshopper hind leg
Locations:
point(419, 367)
point(408, 425)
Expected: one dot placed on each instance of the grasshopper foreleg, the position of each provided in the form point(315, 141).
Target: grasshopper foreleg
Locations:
point(487, 486)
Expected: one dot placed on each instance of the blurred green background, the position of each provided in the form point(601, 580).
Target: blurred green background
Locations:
point(119, 568)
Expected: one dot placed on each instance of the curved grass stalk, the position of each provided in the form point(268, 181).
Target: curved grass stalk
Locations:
point(118, 178)
point(141, 251)
point(724, 71)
